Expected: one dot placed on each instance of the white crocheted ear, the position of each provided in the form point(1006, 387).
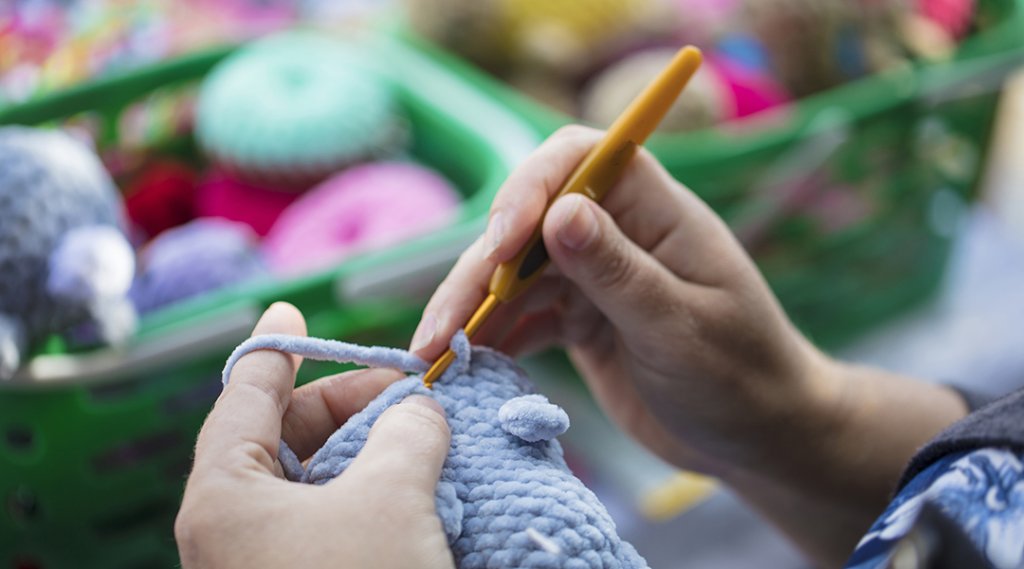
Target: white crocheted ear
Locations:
point(533, 418)
point(91, 264)
point(12, 344)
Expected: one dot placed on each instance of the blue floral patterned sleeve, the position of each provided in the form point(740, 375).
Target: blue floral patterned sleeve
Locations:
point(981, 490)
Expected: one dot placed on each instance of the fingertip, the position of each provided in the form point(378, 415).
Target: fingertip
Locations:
point(423, 422)
point(572, 222)
point(281, 318)
point(494, 236)
point(423, 337)
point(507, 230)
point(406, 447)
point(426, 402)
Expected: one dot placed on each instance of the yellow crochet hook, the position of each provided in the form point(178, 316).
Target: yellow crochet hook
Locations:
point(594, 176)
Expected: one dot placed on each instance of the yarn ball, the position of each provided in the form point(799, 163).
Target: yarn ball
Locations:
point(953, 16)
point(801, 38)
point(290, 109)
point(365, 207)
point(503, 501)
point(702, 21)
point(814, 45)
point(707, 99)
point(220, 194)
point(161, 196)
point(63, 256)
point(751, 89)
point(202, 256)
point(562, 37)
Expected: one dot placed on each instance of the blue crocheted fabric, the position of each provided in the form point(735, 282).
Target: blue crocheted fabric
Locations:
point(506, 497)
point(63, 259)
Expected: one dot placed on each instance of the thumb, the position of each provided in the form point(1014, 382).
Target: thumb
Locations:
point(625, 282)
point(405, 449)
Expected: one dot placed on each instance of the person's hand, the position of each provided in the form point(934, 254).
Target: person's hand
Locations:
point(238, 511)
point(683, 344)
point(664, 314)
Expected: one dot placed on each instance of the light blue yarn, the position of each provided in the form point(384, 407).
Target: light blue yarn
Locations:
point(504, 501)
point(532, 418)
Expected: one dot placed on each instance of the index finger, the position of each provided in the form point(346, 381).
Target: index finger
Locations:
point(515, 213)
point(246, 419)
point(518, 206)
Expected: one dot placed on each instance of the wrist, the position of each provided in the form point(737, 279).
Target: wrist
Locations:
point(790, 396)
point(849, 435)
point(799, 422)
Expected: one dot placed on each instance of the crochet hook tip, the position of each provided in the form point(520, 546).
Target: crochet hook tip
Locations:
point(438, 368)
point(478, 319)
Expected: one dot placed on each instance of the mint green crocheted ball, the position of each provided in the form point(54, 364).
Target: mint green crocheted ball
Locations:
point(293, 108)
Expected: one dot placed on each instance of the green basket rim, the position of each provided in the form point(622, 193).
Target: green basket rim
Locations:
point(998, 46)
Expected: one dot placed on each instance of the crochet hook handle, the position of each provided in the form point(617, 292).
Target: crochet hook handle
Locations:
point(602, 167)
point(599, 170)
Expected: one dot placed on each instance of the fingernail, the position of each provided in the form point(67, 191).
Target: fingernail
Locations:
point(424, 401)
point(495, 234)
point(577, 227)
point(424, 333)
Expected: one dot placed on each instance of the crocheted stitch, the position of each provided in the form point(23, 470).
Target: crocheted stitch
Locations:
point(506, 497)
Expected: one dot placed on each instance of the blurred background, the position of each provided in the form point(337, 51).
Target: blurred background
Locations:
point(170, 168)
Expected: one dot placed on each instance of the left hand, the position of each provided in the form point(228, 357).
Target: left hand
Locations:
point(239, 511)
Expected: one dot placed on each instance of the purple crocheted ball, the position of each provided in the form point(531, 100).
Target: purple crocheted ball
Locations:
point(202, 256)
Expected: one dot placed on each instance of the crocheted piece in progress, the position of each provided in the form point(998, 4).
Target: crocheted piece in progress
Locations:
point(506, 497)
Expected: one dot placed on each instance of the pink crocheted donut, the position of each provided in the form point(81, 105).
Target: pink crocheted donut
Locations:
point(953, 16)
point(222, 195)
point(365, 207)
point(752, 90)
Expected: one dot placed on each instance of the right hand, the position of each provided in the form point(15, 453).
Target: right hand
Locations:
point(662, 311)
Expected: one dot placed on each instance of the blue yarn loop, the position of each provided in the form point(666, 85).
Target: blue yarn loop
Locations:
point(321, 349)
point(327, 350)
point(506, 497)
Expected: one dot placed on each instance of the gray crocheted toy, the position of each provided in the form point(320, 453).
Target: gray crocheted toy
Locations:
point(506, 497)
point(64, 262)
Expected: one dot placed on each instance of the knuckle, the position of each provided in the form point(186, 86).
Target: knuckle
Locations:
point(616, 268)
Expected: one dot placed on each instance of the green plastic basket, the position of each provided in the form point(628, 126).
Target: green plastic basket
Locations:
point(94, 447)
point(910, 144)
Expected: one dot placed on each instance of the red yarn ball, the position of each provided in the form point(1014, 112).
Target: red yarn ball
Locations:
point(161, 196)
point(222, 195)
